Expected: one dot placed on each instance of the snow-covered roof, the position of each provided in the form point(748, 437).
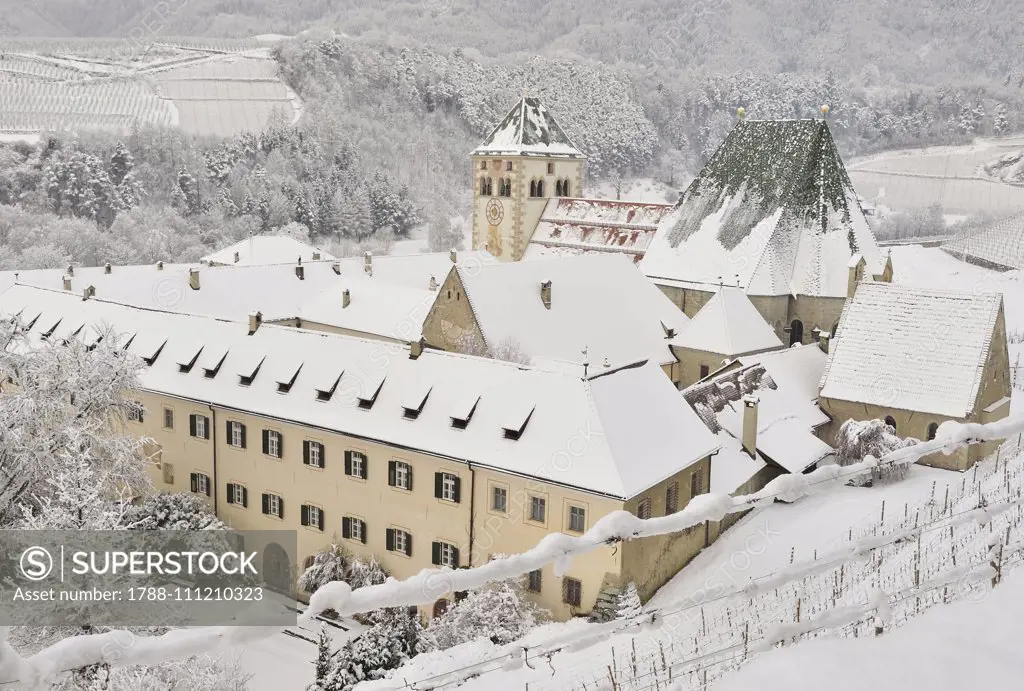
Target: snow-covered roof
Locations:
point(598, 301)
point(731, 467)
point(786, 417)
point(528, 130)
point(391, 303)
point(773, 210)
point(728, 324)
point(914, 349)
point(999, 245)
point(266, 249)
point(634, 427)
point(573, 226)
point(798, 368)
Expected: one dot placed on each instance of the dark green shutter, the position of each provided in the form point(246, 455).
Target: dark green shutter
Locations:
point(266, 503)
point(192, 425)
point(208, 483)
point(438, 485)
point(245, 498)
point(458, 489)
point(243, 435)
point(408, 475)
point(280, 445)
point(194, 479)
point(455, 557)
point(346, 527)
point(305, 451)
point(435, 553)
point(408, 545)
point(348, 462)
point(320, 521)
point(227, 432)
point(389, 539)
point(391, 473)
point(231, 492)
point(266, 441)
point(362, 532)
point(304, 518)
point(280, 507)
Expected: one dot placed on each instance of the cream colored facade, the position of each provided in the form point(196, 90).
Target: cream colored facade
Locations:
point(504, 224)
point(473, 525)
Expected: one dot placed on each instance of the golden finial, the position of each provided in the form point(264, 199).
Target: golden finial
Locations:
point(741, 111)
point(824, 111)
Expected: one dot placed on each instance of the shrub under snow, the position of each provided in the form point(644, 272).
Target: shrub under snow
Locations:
point(856, 439)
point(498, 612)
point(173, 511)
point(385, 646)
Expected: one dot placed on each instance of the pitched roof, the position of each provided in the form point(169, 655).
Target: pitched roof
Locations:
point(528, 130)
point(598, 301)
point(774, 209)
point(621, 449)
point(999, 245)
point(797, 368)
point(728, 324)
point(574, 226)
point(266, 249)
point(913, 349)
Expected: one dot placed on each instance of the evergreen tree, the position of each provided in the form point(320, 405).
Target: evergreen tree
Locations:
point(628, 605)
point(323, 659)
point(329, 565)
point(1000, 123)
point(121, 163)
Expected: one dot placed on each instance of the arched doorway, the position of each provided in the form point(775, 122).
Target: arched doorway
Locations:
point(440, 607)
point(277, 571)
point(891, 422)
point(796, 332)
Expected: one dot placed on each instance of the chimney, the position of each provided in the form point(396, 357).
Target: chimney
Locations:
point(336, 268)
point(106, 268)
point(160, 266)
point(88, 292)
point(255, 319)
point(316, 256)
point(824, 337)
point(71, 270)
point(750, 425)
point(346, 298)
point(193, 279)
point(236, 257)
point(368, 263)
point(855, 270)
point(416, 349)
point(67, 283)
point(453, 255)
point(545, 294)
point(433, 283)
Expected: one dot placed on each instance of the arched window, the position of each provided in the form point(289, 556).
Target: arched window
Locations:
point(891, 422)
point(486, 186)
point(533, 188)
point(796, 332)
point(565, 188)
point(490, 187)
point(933, 429)
point(558, 188)
point(540, 188)
point(506, 187)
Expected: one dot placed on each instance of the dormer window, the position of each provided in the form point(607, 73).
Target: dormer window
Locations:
point(49, 327)
point(516, 420)
point(325, 390)
point(248, 369)
point(211, 360)
point(287, 376)
point(148, 347)
point(463, 412)
point(187, 358)
point(413, 405)
point(367, 400)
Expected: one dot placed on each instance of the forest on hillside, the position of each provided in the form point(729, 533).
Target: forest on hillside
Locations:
point(396, 94)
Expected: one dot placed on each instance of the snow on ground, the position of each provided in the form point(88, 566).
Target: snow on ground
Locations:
point(963, 645)
point(284, 661)
point(645, 190)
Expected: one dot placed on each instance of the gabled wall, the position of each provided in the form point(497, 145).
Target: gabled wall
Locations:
point(451, 324)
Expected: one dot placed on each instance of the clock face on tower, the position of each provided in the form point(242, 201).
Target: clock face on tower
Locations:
point(494, 212)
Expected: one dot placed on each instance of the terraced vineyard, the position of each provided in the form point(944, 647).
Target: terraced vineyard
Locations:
point(217, 87)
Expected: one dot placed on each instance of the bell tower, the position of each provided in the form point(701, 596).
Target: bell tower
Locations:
point(525, 162)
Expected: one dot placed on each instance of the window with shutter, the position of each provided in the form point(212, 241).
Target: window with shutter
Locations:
point(533, 581)
point(572, 591)
point(313, 454)
point(273, 505)
point(445, 554)
point(643, 508)
point(696, 483)
point(446, 486)
point(401, 541)
point(168, 418)
point(672, 498)
point(577, 519)
point(236, 434)
point(346, 527)
point(400, 475)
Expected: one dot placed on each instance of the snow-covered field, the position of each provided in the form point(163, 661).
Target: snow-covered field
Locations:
point(950, 176)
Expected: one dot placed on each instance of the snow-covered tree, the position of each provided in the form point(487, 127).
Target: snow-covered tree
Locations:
point(385, 646)
point(498, 612)
point(173, 511)
point(627, 604)
point(859, 438)
point(202, 673)
point(444, 235)
point(65, 406)
point(1000, 122)
point(362, 573)
point(75, 501)
point(330, 564)
point(324, 659)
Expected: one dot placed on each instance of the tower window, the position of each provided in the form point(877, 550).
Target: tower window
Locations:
point(558, 188)
point(540, 188)
point(508, 165)
point(565, 188)
point(483, 165)
point(486, 186)
point(533, 188)
point(551, 168)
point(505, 187)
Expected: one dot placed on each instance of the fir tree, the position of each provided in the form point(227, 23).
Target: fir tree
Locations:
point(628, 605)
